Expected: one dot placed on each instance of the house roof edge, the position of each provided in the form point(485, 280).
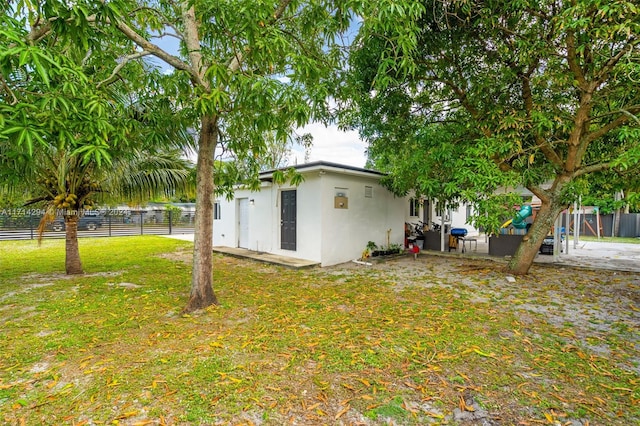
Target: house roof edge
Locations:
point(325, 166)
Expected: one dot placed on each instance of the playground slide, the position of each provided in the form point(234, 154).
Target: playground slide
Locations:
point(519, 220)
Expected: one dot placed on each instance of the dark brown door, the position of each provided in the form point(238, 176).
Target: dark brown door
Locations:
point(288, 212)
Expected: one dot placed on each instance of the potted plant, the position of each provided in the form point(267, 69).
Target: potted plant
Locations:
point(373, 249)
point(365, 254)
point(394, 248)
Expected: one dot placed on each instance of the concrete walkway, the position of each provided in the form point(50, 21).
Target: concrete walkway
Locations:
point(599, 255)
point(588, 254)
point(289, 262)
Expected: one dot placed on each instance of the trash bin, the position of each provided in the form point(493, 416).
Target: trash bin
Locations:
point(459, 232)
point(454, 238)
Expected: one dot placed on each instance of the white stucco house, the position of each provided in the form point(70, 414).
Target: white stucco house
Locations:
point(328, 218)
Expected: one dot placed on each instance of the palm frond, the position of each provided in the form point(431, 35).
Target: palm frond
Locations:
point(146, 176)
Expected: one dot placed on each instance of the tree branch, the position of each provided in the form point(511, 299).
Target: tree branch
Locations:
point(236, 60)
point(542, 194)
point(192, 41)
point(625, 116)
point(572, 54)
point(123, 62)
point(155, 50)
point(38, 32)
point(9, 91)
point(625, 111)
point(602, 76)
point(527, 96)
point(592, 168)
point(35, 200)
point(165, 20)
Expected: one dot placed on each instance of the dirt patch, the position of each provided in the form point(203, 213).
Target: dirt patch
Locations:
point(29, 282)
point(178, 256)
point(595, 304)
point(124, 285)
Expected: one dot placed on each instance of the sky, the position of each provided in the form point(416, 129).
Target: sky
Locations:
point(332, 144)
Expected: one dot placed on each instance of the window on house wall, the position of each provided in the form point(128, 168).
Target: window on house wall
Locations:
point(216, 211)
point(468, 213)
point(368, 192)
point(414, 207)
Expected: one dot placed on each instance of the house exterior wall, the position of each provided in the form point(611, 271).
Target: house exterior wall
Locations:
point(226, 230)
point(325, 234)
point(264, 220)
point(346, 231)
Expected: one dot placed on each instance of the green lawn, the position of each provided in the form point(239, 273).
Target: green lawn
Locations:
point(628, 240)
point(433, 341)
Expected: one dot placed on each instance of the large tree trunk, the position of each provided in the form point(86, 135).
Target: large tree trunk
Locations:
point(527, 250)
point(72, 262)
point(202, 294)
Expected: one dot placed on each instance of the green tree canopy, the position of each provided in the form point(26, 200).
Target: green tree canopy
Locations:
point(242, 68)
point(460, 97)
point(69, 138)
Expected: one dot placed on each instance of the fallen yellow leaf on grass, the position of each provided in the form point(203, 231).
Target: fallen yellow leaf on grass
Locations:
point(462, 404)
point(365, 382)
point(464, 376)
point(558, 397)
point(154, 384)
point(127, 415)
point(616, 388)
point(342, 412)
point(484, 354)
point(550, 417)
point(313, 406)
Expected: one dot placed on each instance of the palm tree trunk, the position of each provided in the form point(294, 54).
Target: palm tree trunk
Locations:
point(202, 294)
point(72, 264)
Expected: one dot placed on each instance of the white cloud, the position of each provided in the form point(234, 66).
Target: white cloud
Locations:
point(334, 145)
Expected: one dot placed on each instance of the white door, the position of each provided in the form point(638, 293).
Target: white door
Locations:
point(243, 223)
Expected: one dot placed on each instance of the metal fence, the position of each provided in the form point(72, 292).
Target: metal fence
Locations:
point(22, 224)
point(588, 224)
